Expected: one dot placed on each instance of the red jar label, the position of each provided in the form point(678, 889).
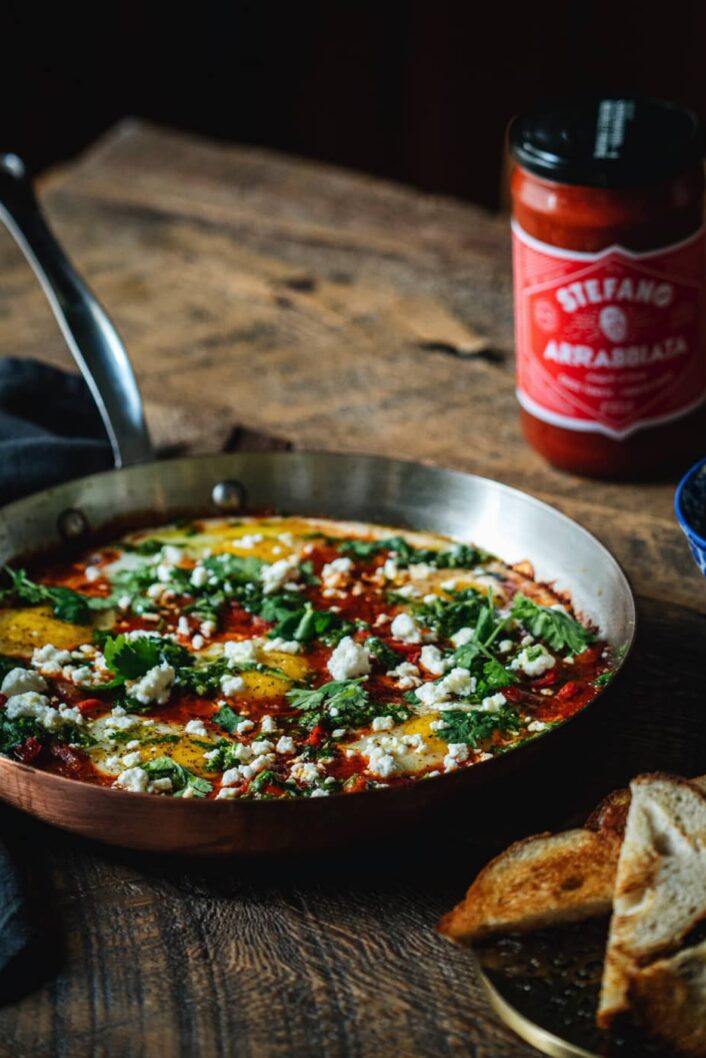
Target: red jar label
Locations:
point(610, 341)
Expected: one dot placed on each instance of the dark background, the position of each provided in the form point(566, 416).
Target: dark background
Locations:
point(418, 91)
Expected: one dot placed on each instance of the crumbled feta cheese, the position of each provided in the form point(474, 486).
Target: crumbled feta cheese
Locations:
point(242, 650)
point(450, 763)
point(187, 793)
point(406, 674)
point(50, 659)
point(118, 721)
point(319, 792)
point(72, 713)
point(390, 569)
point(160, 785)
point(430, 598)
point(493, 703)
point(382, 764)
point(91, 573)
point(304, 772)
point(406, 629)
point(505, 646)
point(265, 760)
point(198, 641)
point(18, 681)
point(268, 725)
point(382, 723)
point(285, 744)
point(172, 554)
point(527, 641)
point(133, 744)
point(459, 751)
point(449, 585)
point(463, 636)
point(284, 646)
point(199, 576)
point(196, 727)
point(207, 629)
point(244, 726)
point(433, 660)
point(79, 674)
point(35, 705)
point(536, 725)
point(130, 760)
point(183, 626)
point(534, 660)
point(348, 660)
point(211, 754)
point(408, 591)
point(124, 602)
point(133, 779)
point(276, 575)
point(262, 745)
point(164, 572)
point(232, 776)
point(154, 687)
point(227, 793)
point(338, 732)
point(232, 684)
point(154, 591)
point(334, 573)
point(458, 682)
point(248, 540)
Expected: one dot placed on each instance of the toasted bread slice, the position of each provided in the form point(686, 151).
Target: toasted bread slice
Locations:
point(660, 892)
point(668, 998)
point(537, 882)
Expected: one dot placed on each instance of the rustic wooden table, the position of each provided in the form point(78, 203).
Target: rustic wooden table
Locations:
point(327, 309)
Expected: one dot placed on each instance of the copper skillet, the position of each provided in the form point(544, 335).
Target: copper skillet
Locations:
point(501, 519)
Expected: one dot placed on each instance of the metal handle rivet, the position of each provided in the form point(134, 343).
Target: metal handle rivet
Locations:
point(228, 495)
point(72, 523)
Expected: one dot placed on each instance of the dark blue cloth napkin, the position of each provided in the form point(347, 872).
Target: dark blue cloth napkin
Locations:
point(50, 429)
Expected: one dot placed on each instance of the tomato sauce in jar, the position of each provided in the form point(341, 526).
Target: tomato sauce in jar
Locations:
point(609, 271)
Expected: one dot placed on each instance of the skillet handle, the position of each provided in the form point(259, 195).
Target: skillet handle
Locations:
point(92, 339)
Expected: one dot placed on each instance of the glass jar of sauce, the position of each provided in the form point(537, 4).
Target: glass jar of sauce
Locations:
point(609, 272)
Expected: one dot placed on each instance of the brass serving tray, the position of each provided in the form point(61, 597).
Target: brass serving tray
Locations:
point(545, 987)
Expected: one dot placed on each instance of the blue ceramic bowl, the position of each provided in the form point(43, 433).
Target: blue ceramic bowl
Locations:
point(690, 506)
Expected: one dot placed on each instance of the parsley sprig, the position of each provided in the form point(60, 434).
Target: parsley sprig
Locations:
point(66, 604)
point(554, 627)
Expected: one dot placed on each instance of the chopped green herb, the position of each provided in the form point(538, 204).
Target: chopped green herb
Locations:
point(227, 719)
point(555, 627)
point(182, 778)
point(387, 657)
point(474, 727)
point(67, 605)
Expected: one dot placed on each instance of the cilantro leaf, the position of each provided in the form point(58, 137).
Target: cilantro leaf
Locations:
point(182, 778)
point(447, 615)
point(383, 653)
point(475, 726)
point(460, 556)
point(343, 703)
point(131, 657)
point(556, 628)
point(67, 605)
point(227, 719)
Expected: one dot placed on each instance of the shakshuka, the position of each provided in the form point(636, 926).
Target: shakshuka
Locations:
point(271, 657)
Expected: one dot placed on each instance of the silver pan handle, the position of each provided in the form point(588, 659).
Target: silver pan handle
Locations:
point(93, 340)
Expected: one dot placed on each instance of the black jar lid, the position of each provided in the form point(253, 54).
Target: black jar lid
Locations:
point(607, 141)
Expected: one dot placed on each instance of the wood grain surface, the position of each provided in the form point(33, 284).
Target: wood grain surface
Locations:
point(333, 311)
